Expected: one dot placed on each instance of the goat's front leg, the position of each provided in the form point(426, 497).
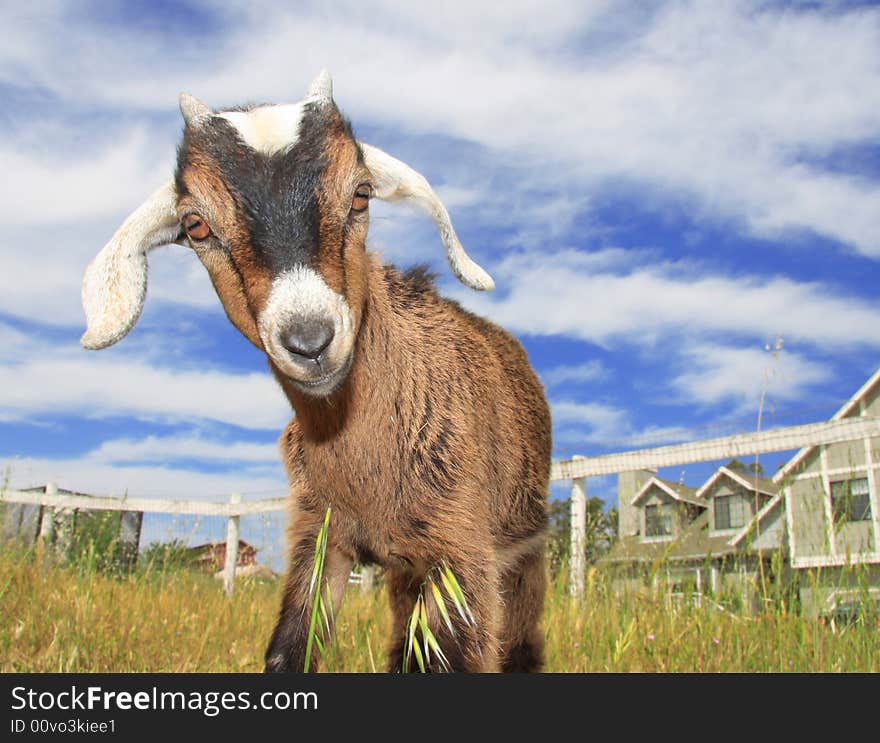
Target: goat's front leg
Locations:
point(472, 645)
point(287, 648)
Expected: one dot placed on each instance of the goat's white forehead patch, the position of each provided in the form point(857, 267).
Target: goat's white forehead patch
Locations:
point(268, 129)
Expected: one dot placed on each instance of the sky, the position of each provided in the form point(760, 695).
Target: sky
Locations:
point(679, 203)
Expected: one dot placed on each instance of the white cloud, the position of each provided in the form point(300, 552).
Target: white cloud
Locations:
point(590, 371)
point(599, 298)
point(55, 185)
point(171, 448)
point(712, 101)
point(593, 422)
point(719, 374)
point(40, 379)
point(154, 466)
point(100, 387)
point(98, 478)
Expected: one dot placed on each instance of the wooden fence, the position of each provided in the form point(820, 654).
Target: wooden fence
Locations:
point(576, 469)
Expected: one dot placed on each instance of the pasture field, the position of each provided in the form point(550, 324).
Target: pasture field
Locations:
point(76, 619)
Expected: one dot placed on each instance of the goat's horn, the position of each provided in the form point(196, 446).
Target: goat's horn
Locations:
point(115, 283)
point(393, 180)
point(194, 111)
point(321, 87)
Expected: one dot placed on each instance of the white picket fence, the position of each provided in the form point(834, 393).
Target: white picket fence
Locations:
point(576, 469)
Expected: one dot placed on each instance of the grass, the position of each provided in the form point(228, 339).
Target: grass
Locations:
point(77, 619)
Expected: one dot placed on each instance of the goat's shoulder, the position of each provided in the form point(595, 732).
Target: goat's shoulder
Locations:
point(413, 296)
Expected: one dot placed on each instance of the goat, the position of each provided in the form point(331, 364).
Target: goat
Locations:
point(422, 424)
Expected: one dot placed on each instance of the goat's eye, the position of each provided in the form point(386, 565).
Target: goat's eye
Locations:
point(196, 227)
point(361, 198)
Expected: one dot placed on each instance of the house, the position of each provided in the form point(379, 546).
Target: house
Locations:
point(832, 512)
point(212, 555)
point(715, 539)
point(814, 526)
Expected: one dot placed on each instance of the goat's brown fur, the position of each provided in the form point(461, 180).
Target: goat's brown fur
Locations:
point(436, 446)
point(436, 449)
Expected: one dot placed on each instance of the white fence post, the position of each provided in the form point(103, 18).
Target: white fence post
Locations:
point(578, 534)
point(231, 548)
point(47, 516)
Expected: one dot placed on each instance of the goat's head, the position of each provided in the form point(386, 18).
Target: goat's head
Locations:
point(274, 201)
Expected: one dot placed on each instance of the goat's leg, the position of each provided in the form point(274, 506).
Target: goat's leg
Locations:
point(473, 645)
point(403, 590)
point(287, 648)
point(522, 591)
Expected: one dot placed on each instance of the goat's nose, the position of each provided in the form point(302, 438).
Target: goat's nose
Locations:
point(308, 339)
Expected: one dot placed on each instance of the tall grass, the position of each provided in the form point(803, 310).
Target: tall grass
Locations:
point(70, 618)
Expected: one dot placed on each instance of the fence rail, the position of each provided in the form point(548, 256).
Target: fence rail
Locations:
point(727, 447)
point(145, 505)
point(577, 469)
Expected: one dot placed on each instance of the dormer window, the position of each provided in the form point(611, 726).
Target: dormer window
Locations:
point(731, 512)
point(658, 521)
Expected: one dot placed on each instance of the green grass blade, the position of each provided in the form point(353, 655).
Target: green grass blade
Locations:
point(423, 626)
point(431, 642)
point(450, 583)
point(317, 578)
point(410, 637)
point(418, 653)
point(441, 606)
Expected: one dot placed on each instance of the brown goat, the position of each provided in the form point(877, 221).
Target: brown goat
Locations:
point(422, 424)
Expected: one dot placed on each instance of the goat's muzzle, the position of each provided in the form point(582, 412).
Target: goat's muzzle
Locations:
point(308, 341)
point(308, 331)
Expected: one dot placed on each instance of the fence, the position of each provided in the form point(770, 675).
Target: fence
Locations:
point(51, 501)
point(577, 469)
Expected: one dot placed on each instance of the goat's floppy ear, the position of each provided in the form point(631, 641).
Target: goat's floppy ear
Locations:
point(394, 180)
point(115, 282)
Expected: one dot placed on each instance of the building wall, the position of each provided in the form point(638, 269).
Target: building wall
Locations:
point(808, 505)
point(809, 501)
point(772, 532)
point(628, 484)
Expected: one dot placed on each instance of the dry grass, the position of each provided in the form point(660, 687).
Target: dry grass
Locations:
point(76, 620)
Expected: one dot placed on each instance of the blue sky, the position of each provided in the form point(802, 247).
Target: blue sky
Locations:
point(660, 190)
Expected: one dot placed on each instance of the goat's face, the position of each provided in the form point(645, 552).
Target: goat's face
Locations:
point(274, 201)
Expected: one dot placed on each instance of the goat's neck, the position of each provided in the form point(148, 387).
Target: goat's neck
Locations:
point(375, 379)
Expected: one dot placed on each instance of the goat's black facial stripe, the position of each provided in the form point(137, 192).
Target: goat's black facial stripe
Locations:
point(278, 192)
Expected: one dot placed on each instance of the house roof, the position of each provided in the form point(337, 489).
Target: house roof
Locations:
point(674, 490)
point(764, 485)
point(696, 543)
point(844, 412)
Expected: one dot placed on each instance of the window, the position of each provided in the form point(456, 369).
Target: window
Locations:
point(730, 511)
point(658, 521)
point(850, 500)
